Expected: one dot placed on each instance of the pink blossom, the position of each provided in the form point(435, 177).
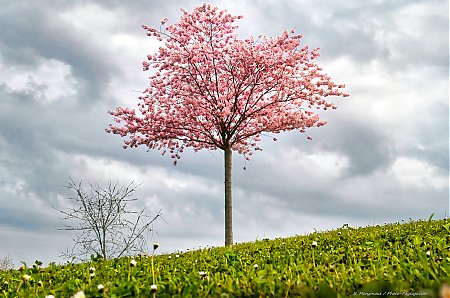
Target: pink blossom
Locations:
point(212, 90)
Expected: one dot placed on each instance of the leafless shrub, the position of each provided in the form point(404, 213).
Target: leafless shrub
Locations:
point(6, 263)
point(102, 224)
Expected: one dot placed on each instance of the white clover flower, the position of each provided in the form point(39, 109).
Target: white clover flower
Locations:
point(428, 253)
point(79, 294)
point(133, 263)
point(314, 243)
point(255, 266)
point(339, 233)
point(153, 288)
point(39, 283)
point(177, 256)
point(100, 288)
point(202, 273)
point(92, 275)
point(49, 296)
point(26, 277)
point(91, 269)
point(169, 257)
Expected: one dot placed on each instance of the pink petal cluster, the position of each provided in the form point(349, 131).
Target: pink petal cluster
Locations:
point(212, 90)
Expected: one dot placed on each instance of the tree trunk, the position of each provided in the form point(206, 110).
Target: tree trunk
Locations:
point(228, 198)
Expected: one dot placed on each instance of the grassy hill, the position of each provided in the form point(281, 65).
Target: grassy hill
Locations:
point(393, 260)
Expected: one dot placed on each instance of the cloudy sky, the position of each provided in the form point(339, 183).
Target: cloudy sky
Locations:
point(383, 156)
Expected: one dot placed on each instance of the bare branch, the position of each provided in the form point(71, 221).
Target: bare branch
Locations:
point(102, 223)
point(6, 263)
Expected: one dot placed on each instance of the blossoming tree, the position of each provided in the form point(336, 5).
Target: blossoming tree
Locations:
point(212, 90)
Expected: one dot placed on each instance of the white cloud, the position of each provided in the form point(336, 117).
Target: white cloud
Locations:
point(416, 173)
point(50, 81)
point(123, 44)
point(92, 19)
point(328, 164)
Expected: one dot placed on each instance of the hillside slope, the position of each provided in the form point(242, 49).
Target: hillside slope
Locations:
point(393, 260)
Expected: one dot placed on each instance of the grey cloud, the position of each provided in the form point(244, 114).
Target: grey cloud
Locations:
point(25, 134)
point(367, 149)
point(431, 141)
point(339, 30)
point(302, 191)
point(33, 32)
point(364, 31)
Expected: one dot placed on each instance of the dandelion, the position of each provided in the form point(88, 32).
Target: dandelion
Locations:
point(101, 288)
point(133, 263)
point(26, 277)
point(314, 244)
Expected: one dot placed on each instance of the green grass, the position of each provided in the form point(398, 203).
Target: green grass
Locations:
point(411, 259)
